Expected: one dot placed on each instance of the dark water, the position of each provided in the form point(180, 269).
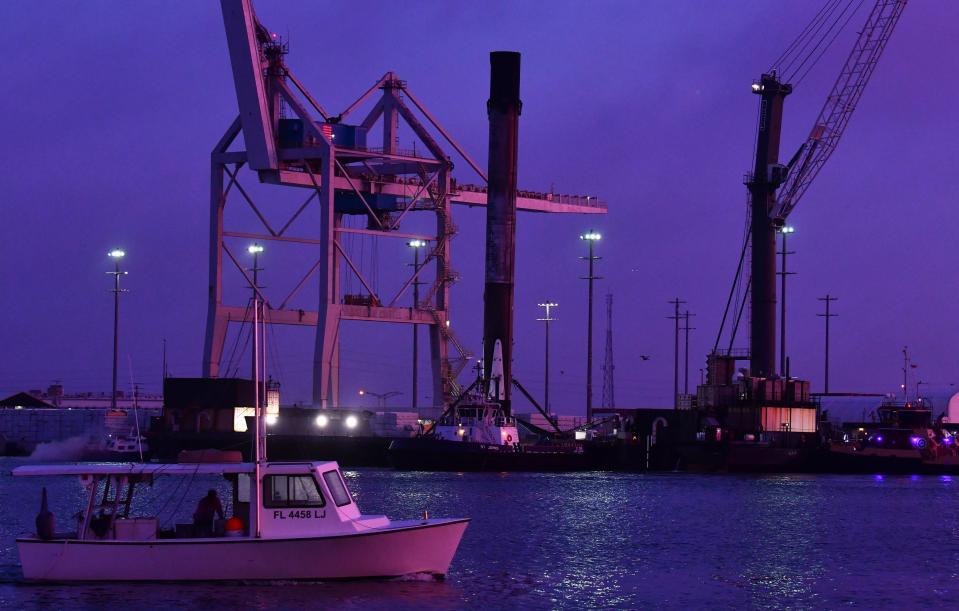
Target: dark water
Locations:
point(587, 540)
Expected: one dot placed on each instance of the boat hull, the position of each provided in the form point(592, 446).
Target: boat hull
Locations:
point(745, 458)
point(426, 454)
point(425, 547)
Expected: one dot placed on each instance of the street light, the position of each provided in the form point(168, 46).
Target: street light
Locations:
point(255, 250)
point(591, 237)
point(548, 319)
point(416, 245)
point(785, 230)
point(116, 254)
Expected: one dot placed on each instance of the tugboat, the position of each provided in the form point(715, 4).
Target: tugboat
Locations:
point(477, 434)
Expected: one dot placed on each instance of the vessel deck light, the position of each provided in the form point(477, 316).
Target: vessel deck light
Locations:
point(591, 236)
point(322, 420)
point(254, 249)
point(351, 422)
point(117, 253)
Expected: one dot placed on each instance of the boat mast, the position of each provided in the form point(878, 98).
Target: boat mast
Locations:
point(257, 415)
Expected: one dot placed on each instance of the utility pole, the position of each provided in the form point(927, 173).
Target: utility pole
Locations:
point(676, 317)
point(415, 245)
point(784, 231)
point(609, 368)
point(828, 299)
point(548, 319)
point(116, 254)
point(686, 329)
point(591, 238)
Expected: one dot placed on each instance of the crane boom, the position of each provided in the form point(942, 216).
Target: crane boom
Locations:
point(839, 106)
point(244, 35)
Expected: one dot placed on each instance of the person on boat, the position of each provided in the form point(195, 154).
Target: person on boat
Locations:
point(206, 511)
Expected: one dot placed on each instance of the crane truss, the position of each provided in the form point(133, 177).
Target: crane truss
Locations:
point(840, 104)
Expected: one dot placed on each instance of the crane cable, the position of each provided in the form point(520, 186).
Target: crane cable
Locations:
point(815, 39)
point(842, 27)
point(792, 46)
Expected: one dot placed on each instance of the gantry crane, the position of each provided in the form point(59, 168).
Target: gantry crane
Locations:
point(318, 151)
point(774, 188)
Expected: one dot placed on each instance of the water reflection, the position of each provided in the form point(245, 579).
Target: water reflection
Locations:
point(584, 540)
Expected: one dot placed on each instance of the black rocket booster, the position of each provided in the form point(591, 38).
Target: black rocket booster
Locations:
point(503, 110)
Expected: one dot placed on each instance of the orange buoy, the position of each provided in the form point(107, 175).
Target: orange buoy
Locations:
point(233, 527)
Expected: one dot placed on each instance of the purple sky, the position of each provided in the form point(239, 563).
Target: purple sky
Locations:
point(109, 110)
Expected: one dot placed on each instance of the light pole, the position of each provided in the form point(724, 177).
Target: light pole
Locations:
point(548, 319)
point(591, 238)
point(255, 250)
point(116, 254)
point(784, 231)
point(415, 245)
point(380, 397)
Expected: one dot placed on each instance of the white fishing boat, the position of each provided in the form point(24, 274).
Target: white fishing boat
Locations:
point(301, 522)
point(289, 521)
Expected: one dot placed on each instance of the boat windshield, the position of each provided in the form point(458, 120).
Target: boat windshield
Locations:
point(291, 491)
point(341, 496)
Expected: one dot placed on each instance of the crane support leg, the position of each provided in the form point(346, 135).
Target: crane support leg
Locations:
point(216, 320)
point(439, 360)
point(325, 355)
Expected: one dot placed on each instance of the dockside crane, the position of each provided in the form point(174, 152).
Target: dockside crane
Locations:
point(364, 189)
point(775, 189)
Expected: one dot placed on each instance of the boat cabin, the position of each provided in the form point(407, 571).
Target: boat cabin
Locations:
point(479, 423)
point(295, 500)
